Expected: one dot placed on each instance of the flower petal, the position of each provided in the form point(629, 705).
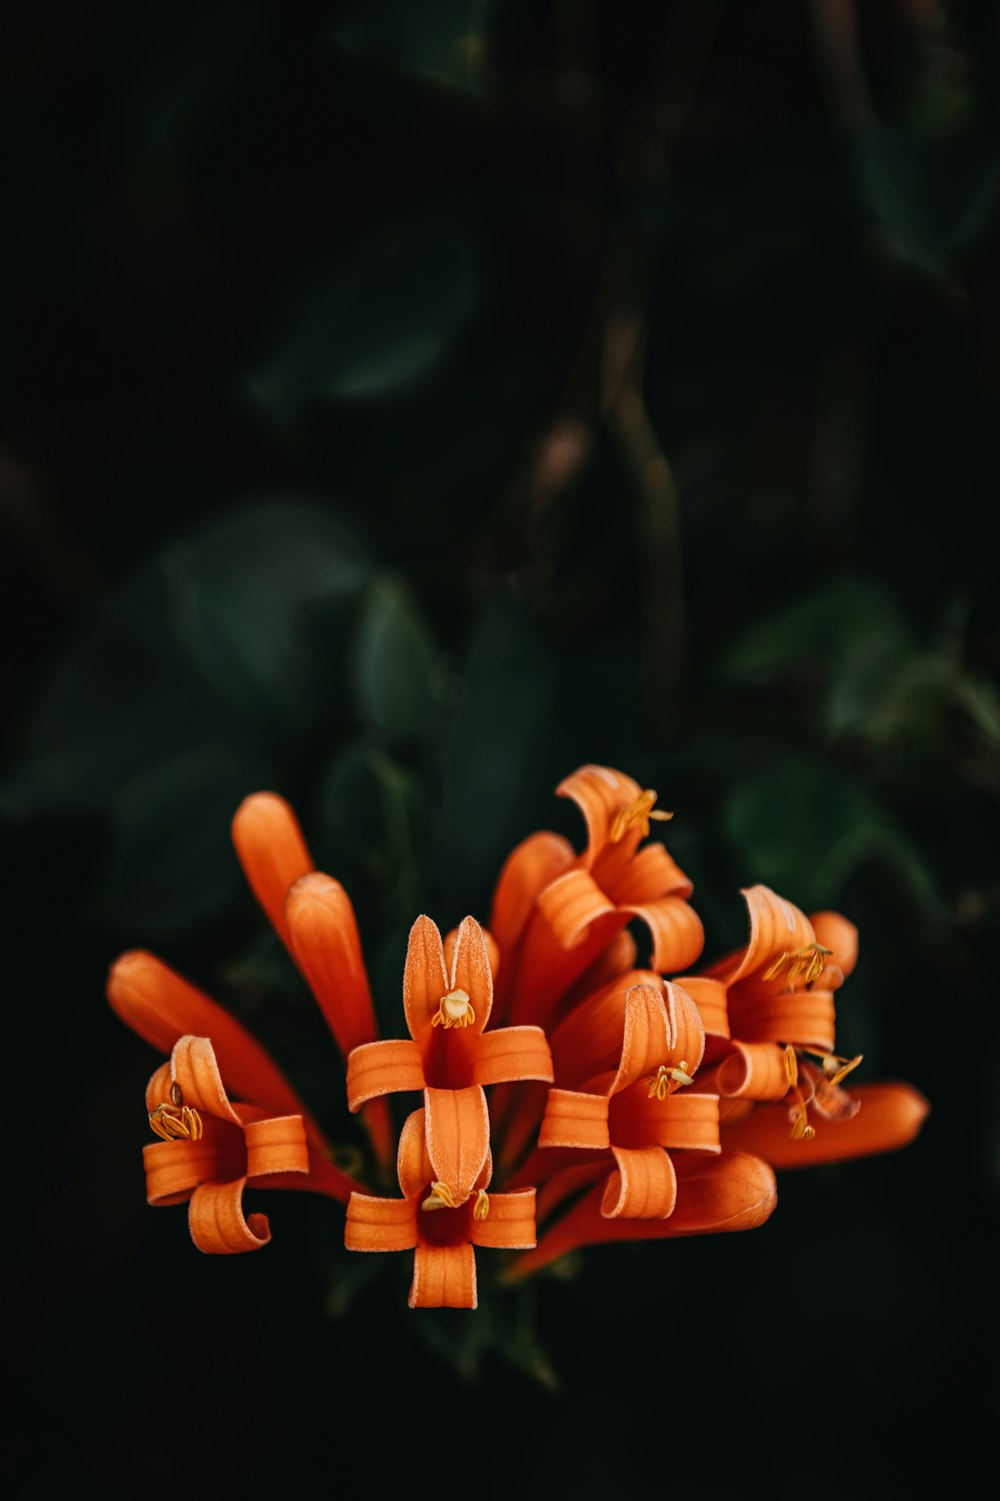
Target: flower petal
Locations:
point(378, 1068)
point(425, 979)
point(471, 971)
point(804, 1018)
point(374, 1224)
point(193, 1068)
point(733, 1192)
point(571, 903)
point(444, 1277)
point(840, 936)
point(528, 869)
point(458, 1136)
point(175, 1168)
point(890, 1116)
point(510, 1223)
point(599, 792)
point(217, 1222)
point(324, 940)
point(685, 1120)
point(492, 950)
point(651, 873)
point(776, 928)
point(161, 1007)
point(710, 998)
point(511, 1053)
point(575, 1119)
point(277, 1145)
point(643, 1187)
point(678, 936)
point(589, 1040)
point(662, 1025)
point(272, 852)
point(545, 969)
point(754, 1071)
point(413, 1164)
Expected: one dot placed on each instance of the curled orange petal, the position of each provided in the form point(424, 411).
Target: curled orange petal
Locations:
point(889, 1116)
point(217, 1223)
point(444, 1277)
point(643, 1185)
point(375, 1224)
point(528, 869)
point(272, 851)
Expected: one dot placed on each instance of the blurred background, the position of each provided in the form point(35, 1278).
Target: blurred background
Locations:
point(402, 405)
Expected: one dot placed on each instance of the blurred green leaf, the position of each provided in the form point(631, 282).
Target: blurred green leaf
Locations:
point(245, 592)
point(803, 828)
point(439, 39)
point(378, 320)
point(170, 862)
point(398, 674)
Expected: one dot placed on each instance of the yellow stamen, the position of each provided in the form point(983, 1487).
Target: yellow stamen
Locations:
point(440, 1197)
point(801, 1129)
point(834, 1067)
point(640, 812)
point(481, 1207)
point(666, 1080)
point(176, 1121)
point(454, 1010)
point(799, 966)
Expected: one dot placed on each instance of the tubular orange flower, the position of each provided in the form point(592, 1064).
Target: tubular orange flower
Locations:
point(449, 1055)
point(560, 911)
point(440, 1231)
point(209, 1150)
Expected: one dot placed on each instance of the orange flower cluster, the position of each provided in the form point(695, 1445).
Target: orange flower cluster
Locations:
point(607, 1101)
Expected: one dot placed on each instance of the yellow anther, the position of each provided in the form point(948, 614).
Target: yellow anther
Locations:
point(801, 1129)
point(639, 812)
point(175, 1122)
point(666, 1080)
point(835, 1068)
point(799, 966)
point(481, 1207)
point(440, 1197)
point(454, 1010)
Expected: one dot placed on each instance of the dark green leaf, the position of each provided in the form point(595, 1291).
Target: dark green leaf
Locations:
point(396, 669)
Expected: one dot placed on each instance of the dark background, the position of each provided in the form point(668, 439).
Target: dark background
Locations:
point(403, 404)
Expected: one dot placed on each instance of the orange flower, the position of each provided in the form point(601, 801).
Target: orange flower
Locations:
point(560, 911)
point(440, 1231)
point(448, 1055)
point(209, 1150)
point(779, 1005)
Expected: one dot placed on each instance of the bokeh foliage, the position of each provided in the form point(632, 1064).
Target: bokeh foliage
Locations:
point(405, 404)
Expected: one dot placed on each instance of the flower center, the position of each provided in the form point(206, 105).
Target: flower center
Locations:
point(454, 1010)
point(440, 1197)
point(639, 812)
point(481, 1207)
point(666, 1080)
point(800, 966)
point(175, 1121)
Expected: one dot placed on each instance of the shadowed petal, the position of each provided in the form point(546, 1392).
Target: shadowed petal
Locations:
point(413, 1164)
point(527, 870)
point(444, 1277)
point(272, 852)
point(194, 1069)
point(175, 1168)
point(889, 1116)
